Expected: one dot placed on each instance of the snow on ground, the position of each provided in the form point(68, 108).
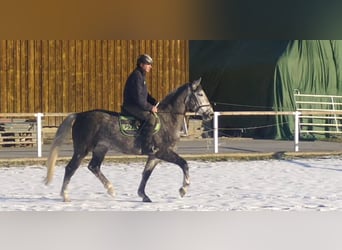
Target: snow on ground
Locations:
point(286, 185)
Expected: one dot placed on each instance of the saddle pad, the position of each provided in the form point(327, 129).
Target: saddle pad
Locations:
point(130, 126)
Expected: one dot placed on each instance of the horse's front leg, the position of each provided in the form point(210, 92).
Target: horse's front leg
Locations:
point(186, 179)
point(149, 166)
point(170, 156)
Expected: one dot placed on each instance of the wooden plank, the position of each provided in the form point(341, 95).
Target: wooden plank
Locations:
point(45, 76)
point(186, 61)
point(16, 77)
point(52, 76)
point(18, 141)
point(85, 74)
point(3, 76)
point(38, 77)
point(79, 78)
point(28, 115)
point(22, 75)
point(11, 75)
point(58, 80)
point(72, 75)
point(131, 56)
point(52, 79)
point(180, 59)
point(166, 65)
point(105, 86)
point(153, 77)
point(123, 65)
point(65, 75)
point(141, 48)
point(182, 64)
point(45, 80)
point(162, 87)
point(30, 76)
point(92, 75)
point(111, 75)
point(56, 114)
point(118, 83)
point(99, 75)
point(173, 63)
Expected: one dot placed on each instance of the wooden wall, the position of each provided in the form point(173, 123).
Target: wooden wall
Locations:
point(53, 76)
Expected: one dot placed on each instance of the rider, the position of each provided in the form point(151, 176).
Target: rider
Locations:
point(139, 103)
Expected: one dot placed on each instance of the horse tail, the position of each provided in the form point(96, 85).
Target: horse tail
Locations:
point(62, 131)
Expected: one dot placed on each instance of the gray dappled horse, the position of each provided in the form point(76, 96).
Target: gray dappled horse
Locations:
point(98, 131)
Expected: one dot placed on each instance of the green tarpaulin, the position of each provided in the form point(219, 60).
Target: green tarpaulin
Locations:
point(262, 76)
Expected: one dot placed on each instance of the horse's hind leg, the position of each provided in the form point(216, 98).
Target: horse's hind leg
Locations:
point(70, 169)
point(95, 167)
point(149, 166)
point(171, 156)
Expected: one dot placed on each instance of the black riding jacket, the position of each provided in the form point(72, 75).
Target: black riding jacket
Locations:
point(136, 92)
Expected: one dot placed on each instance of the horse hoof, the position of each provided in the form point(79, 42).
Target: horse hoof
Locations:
point(182, 191)
point(144, 196)
point(66, 200)
point(111, 192)
point(146, 199)
point(65, 197)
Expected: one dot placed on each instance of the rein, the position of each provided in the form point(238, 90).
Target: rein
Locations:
point(201, 106)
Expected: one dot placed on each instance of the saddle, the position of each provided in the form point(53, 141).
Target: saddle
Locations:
point(130, 126)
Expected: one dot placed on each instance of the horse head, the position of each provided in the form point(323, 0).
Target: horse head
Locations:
point(198, 101)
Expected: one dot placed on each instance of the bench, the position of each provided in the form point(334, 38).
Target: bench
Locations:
point(18, 132)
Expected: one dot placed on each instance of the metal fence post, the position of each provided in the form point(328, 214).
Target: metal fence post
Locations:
point(216, 114)
point(39, 133)
point(296, 138)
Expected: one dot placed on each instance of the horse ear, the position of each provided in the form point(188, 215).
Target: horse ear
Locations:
point(196, 83)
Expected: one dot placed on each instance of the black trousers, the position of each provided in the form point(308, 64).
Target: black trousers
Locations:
point(147, 128)
point(142, 115)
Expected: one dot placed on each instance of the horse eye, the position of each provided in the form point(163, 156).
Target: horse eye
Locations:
point(200, 94)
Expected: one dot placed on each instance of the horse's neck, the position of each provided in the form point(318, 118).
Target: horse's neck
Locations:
point(173, 108)
point(172, 116)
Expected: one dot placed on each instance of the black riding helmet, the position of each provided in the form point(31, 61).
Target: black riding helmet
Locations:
point(146, 59)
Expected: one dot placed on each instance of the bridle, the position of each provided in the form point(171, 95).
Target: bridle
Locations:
point(190, 100)
point(195, 102)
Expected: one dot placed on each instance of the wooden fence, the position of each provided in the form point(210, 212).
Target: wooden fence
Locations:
point(51, 76)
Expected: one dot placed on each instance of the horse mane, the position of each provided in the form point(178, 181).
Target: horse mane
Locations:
point(173, 96)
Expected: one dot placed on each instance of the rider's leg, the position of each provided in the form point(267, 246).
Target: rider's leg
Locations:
point(147, 135)
point(147, 129)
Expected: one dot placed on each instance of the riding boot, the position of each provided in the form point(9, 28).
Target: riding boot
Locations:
point(146, 139)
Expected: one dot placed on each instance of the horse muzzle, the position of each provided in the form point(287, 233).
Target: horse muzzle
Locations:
point(208, 114)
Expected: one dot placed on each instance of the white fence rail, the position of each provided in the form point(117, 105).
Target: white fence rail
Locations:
point(38, 117)
point(296, 114)
point(319, 124)
point(251, 113)
point(20, 129)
